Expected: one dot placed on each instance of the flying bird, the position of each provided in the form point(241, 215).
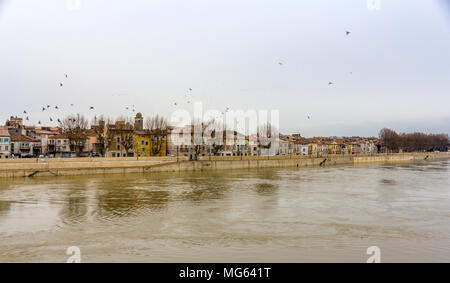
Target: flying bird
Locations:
point(347, 32)
point(24, 112)
point(280, 63)
point(65, 75)
point(59, 121)
point(56, 107)
point(51, 120)
point(91, 108)
point(48, 106)
point(309, 117)
point(71, 104)
point(43, 108)
point(190, 89)
point(60, 84)
point(330, 83)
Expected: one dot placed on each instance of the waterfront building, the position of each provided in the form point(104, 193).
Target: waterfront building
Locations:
point(151, 143)
point(354, 148)
point(15, 126)
point(179, 140)
point(5, 143)
point(283, 145)
point(313, 148)
point(91, 145)
point(23, 146)
point(334, 148)
point(41, 134)
point(59, 146)
point(253, 145)
point(122, 142)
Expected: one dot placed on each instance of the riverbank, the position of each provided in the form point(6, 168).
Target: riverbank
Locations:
point(89, 166)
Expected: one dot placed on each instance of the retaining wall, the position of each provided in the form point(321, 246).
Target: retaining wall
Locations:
point(84, 166)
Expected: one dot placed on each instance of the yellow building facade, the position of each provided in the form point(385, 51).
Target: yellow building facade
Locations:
point(150, 144)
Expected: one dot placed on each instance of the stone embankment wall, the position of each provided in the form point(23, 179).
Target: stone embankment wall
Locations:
point(84, 166)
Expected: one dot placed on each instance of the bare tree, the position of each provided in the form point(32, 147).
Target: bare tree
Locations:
point(124, 129)
point(157, 127)
point(215, 130)
point(410, 142)
point(265, 133)
point(197, 137)
point(104, 134)
point(156, 122)
point(389, 138)
point(75, 127)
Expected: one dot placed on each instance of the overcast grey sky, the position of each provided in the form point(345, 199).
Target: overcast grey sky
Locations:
point(393, 69)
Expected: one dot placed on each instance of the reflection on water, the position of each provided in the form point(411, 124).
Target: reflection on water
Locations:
point(270, 215)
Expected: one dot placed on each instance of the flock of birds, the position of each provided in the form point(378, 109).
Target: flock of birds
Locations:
point(188, 98)
point(56, 107)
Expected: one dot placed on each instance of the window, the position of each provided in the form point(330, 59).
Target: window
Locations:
point(118, 147)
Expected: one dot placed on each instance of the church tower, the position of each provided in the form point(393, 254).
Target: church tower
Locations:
point(138, 122)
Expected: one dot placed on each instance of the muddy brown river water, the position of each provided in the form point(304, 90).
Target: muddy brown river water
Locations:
point(330, 214)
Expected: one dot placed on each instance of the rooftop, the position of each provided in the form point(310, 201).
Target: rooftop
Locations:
point(22, 138)
point(4, 132)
